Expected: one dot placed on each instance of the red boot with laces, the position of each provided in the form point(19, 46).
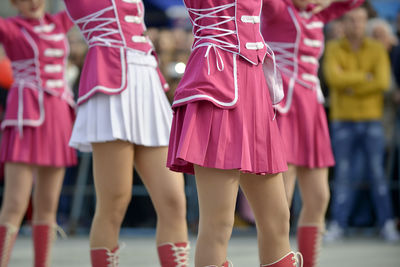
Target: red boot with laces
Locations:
point(309, 243)
point(103, 257)
point(289, 260)
point(174, 254)
point(8, 234)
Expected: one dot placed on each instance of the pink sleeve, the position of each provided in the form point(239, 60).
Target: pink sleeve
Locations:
point(272, 8)
point(64, 20)
point(338, 9)
point(8, 30)
point(3, 29)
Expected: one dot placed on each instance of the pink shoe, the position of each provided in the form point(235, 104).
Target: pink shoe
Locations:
point(8, 234)
point(290, 260)
point(103, 257)
point(174, 255)
point(309, 243)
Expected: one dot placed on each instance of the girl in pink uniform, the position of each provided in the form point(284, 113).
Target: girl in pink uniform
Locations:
point(37, 124)
point(224, 131)
point(124, 117)
point(294, 30)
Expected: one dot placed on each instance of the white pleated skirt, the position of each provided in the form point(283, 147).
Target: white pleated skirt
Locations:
point(141, 114)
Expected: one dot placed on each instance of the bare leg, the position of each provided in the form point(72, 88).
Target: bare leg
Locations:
point(289, 179)
point(47, 194)
point(166, 189)
point(266, 195)
point(217, 192)
point(17, 192)
point(113, 175)
point(314, 189)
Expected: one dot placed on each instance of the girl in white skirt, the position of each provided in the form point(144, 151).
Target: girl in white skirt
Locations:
point(124, 118)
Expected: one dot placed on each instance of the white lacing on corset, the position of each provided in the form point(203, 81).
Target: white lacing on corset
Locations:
point(181, 255)
point(104, 27)
point(220, 32)
point(25, 71)
point(285, 56)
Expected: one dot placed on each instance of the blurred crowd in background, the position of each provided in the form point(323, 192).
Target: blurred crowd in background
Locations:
point(169, 29)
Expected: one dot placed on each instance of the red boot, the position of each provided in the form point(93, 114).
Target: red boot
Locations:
point(174, 255)
point(309, 243)
point(290, 260)
point(8, 234)
point(43, 238)
point(103, 257)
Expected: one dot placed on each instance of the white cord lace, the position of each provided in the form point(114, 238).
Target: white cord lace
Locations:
point(298, 259)
point(113, 257)
point(220, 32)
point(284, 56)
point(104, 27)
point(181, 255)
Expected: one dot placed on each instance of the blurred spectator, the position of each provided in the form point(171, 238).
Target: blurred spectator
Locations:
point(334, 30)
point(380, 30)
point(357, 70)
point(173, 48)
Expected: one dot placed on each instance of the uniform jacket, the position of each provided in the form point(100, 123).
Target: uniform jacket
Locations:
point(227, 39)
point(110, 27)
point(38, 50)
point(297, 39)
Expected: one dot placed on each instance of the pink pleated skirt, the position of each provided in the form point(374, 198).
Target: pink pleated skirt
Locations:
point(305, 131)
point(244, 138)
point(45, 145)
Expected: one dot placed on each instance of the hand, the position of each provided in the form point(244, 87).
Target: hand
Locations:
point(322, 4)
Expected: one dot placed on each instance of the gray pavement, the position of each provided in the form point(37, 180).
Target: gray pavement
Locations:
point(140, 251)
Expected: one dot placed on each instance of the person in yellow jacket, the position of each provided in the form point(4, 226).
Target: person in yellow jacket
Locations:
point(357, 70)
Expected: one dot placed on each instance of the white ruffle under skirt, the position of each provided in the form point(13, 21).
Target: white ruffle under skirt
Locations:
point(141, 114)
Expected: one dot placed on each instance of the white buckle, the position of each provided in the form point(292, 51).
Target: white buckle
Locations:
point(44, 28)
point(255, 46)
point(315, 25)
point(133, 19)
point(250, 19)
point(312, 43)
point(51, 52)
point(54, 83)
point(53, 68)
point(53, 37)
point(309, 59)
point(132, 1)
point(139, 39)
point(309, 78)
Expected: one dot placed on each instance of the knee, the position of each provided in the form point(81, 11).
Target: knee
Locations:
point(172, 208)
point(113, 208)
point(14, 208)
point(275, 226)
point(218, 229)
point(317, 202)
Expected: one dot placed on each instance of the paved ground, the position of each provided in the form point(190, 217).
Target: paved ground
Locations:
point(140, 251)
